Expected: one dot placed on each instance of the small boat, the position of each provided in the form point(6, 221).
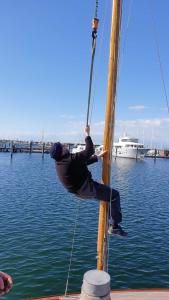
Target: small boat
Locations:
point(78, 148)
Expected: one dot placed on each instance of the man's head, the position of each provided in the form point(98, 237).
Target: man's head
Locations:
point(58, 150)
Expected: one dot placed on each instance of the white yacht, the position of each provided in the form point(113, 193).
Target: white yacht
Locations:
point(126, 147)
point(129, 147)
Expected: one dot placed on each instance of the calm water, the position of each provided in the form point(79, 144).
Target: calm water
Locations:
point(37, 220)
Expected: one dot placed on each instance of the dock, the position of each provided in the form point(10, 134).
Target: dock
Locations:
point(27, 147)
point(44, 147)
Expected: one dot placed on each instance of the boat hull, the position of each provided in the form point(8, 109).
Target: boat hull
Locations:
point(126, 152)
point(146, 294)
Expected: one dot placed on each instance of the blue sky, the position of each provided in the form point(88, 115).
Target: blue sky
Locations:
point(44, 70)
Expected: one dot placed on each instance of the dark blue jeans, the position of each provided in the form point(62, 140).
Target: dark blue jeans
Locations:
point(92, 189)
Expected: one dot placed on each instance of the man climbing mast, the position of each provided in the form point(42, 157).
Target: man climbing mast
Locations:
point(74, 175)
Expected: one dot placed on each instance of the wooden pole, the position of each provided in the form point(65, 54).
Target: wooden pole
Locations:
point(30, 147)
point(12, 148)
point(43, 149)
point(109, 130)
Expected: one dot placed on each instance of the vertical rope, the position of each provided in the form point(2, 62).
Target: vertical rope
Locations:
point(95, 22)
point(90, 80)
point(96, 77)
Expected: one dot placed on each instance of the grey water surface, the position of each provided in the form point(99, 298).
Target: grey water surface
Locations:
point(37, 222)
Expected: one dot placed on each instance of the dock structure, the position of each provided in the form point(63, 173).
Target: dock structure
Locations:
point(29, 147)
point(11, 148)
point(158, 153)
point(39, 147)
point(146, 294)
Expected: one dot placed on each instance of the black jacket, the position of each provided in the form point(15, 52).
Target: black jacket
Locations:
point(72, 168)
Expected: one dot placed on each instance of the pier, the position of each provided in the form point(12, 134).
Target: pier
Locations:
point(157, 153)
point(27, 147)
point(44, 148)
point(19, 147)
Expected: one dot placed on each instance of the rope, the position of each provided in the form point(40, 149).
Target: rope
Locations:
point(108, 236)
point(94, 36)
point(90, 80)
point(159, 61)
point(99, 56)
point(72, 247)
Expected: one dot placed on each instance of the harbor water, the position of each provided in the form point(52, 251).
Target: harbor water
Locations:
point(37, 224)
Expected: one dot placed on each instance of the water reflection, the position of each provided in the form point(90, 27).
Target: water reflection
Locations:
point(126, 163)
point(125, 172)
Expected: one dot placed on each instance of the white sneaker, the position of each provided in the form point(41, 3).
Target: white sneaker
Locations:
point(117, 231)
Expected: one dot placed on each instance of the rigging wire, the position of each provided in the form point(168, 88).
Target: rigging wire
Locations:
point(159, 59)
point(72, 247)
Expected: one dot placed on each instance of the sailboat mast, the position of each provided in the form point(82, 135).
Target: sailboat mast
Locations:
point(109, 129)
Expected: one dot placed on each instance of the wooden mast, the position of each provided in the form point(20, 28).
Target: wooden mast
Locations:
point(109, 129)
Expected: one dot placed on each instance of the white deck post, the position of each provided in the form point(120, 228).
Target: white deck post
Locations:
point(96, 286)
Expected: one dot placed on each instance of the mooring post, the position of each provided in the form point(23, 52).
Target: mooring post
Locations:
point(11, 148)
point(155, 154)
point(137, 154)
point(30, 147)
point(96, 286)
point(116, 153)
point(43, 149)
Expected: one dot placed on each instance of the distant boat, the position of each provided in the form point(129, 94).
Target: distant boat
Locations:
point(129, 147)
point(126, 147)
point(78, 148)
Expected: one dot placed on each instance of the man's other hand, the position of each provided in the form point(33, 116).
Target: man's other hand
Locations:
point(101, 154)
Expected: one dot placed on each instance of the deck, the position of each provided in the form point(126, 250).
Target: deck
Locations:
point(154, 294)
